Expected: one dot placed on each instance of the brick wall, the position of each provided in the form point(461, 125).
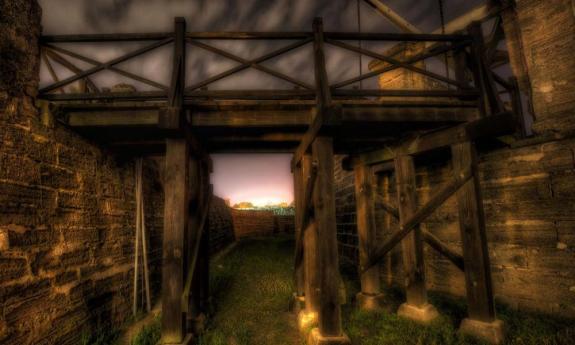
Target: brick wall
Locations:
point(528, 189)
point(221, 225)
point(67, 211)
point(260, 223)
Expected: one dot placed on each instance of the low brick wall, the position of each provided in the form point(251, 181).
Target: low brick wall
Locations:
point(221, 225)
point(260, 223)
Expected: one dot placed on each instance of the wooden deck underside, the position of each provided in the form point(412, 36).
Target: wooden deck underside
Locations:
point(262, 126)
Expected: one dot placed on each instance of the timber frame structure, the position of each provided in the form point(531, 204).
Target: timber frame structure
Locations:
point(186, 123)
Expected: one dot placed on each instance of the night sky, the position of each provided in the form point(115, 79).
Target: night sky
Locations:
point(247, 177)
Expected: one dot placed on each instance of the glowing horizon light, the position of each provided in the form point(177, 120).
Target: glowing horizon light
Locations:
point(261, 179)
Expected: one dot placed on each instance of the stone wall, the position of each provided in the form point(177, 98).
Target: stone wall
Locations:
point(67, 211)
point(249, 223)
point(221, 225)
point(528, 188)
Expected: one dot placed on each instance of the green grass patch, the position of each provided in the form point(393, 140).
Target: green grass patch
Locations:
point(251, 291)
point(252, 287)
point(150, 334)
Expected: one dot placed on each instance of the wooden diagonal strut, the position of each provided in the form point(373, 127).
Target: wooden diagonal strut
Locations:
point(307, 210)
point(111, 68)
point(419, 216)
point(428, 237)
point(245, 63)
point(395, 62)
point(105, 65)
point(70, 66)
point(252, 64)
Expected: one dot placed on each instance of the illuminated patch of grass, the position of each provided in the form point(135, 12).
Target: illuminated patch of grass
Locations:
point(251, 289)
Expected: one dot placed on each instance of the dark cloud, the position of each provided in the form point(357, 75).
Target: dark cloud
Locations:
point(106, 12)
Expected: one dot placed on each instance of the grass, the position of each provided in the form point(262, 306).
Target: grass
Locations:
point(150, 334)
point(252, 286)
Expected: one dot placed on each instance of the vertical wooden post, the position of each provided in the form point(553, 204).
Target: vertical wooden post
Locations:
point(310, 259)
point(370, 297)
point(329, 316)
point(300, 267)
point(175, 224)
point(416, 307)
point(329, 311)
point(481, 308)
point(197, 203)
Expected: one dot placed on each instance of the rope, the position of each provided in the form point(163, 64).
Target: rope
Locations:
point(442, 17)
point(359, 43)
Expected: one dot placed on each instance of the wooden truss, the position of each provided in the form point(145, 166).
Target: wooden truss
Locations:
point(186, 123)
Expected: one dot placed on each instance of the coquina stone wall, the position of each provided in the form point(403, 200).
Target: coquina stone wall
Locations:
point(528, 188)
point(67, 216)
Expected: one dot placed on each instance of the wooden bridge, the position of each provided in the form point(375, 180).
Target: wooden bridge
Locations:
point(377, 129)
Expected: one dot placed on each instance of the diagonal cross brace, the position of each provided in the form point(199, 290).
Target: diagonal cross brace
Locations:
point(422, 213)
point(255, 63)
point(105, 65)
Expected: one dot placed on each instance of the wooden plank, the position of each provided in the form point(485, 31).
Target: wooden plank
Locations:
point(366, 227)
point(324, 107)
point(144, 117)
point(387, 206)
point(472, 227)
point(394, 17)
point(422, 213)
point(443, 249)
point(310, 244)
point(412, 244)
point(175, 228)
point(491, 126)
point(329, 313)
point(299, 192)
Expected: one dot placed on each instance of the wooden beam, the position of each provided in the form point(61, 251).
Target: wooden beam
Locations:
point(299, 192)
point(175, 228)
point(491, 126)
point(366, 227)
point(411, 244)
point(419, 216)
point(443, 249)
point(478, 282)
point(310, 241)
point(387, 206)
point(393, 17)
point(329, 313)
point(324, 108)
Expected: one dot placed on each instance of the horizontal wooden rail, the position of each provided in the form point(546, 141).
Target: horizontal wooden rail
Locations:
point(245, 35)
point(422, 213)
point(490, 126)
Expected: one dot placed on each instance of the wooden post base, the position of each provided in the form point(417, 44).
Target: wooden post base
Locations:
point(370, 302)
point(306, 320)
point(315, 338)
point(492, 332)
point(188, 340)
point(424, 314)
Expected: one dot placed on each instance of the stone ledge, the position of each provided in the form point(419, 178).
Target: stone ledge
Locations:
point(370, 302)
point(425, 314)
point(315, 338)
point(492, 332)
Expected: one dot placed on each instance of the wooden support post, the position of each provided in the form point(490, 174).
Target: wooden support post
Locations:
point(370, 297)
point(308, 317)
point(481, 308)
point(176, 207)
point(299, 295)
point(329, 311)
point(195, 316)
point(416, 307)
